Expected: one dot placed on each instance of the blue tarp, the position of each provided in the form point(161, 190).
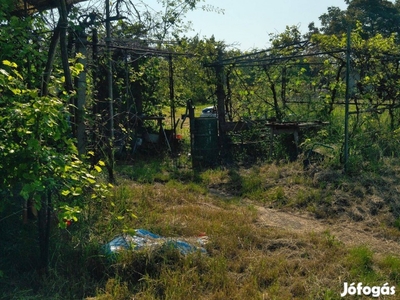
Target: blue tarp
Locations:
point(145, 239)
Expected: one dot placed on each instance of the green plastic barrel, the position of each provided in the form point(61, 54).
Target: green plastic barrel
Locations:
point(205, 150)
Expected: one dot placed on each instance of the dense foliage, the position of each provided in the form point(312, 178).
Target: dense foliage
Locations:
point(38, 153)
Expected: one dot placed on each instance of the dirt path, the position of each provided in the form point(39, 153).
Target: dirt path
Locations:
point(347, 232)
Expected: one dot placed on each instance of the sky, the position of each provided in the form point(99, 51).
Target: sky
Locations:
point(248, 23)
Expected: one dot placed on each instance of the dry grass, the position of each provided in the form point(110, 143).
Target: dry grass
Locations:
point(254, 251)
point(247, 260)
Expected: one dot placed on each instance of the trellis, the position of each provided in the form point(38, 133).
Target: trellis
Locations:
point(268, 58)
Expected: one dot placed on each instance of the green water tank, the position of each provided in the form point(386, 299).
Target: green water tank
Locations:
point(204, 139)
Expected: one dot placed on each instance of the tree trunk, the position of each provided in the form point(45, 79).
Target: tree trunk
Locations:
point(334, 91)
point(50, 59)
point(278, 113)
point(63, 44)
point(81, 95)
point(44, 218)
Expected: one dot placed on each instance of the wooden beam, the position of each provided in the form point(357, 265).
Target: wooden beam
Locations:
point(34, 6)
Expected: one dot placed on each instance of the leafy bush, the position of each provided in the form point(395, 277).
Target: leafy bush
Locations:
point(38, 152)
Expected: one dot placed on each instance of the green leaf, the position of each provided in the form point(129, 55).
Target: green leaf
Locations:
point(10, 64)
point(65, 192)
point(4, 72)
point(79, 67)
point(88, 175)
point(25, 194)
point(90, 180)
point(77, 191)
point(15, 91)
point(98, 169)
point(33, 93)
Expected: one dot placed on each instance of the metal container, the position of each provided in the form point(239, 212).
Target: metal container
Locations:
point(204, 139)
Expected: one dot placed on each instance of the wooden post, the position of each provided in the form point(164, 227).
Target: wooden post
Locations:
point(220, 92)
point(44, 230)
point(81, 94)
point(172, 94)
point(346, 113)
point(111, 159)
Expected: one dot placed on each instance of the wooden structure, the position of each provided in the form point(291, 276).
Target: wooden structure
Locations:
point(236, 132)
point(28, 7)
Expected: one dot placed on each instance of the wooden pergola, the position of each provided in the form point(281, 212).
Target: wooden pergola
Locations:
point(28, 7)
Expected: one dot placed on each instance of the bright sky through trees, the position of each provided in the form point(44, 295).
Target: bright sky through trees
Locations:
point(249, 23)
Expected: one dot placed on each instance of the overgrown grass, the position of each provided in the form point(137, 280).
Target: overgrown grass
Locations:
point(244, 260)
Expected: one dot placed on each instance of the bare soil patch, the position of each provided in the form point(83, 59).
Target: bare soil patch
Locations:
point(350, 233)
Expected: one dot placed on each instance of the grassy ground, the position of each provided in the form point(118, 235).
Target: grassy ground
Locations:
point(248, 257)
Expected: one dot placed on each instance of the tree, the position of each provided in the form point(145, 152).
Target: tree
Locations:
point(376, 16)
point(373, 89)
point(334, 21)
point(39, 159)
